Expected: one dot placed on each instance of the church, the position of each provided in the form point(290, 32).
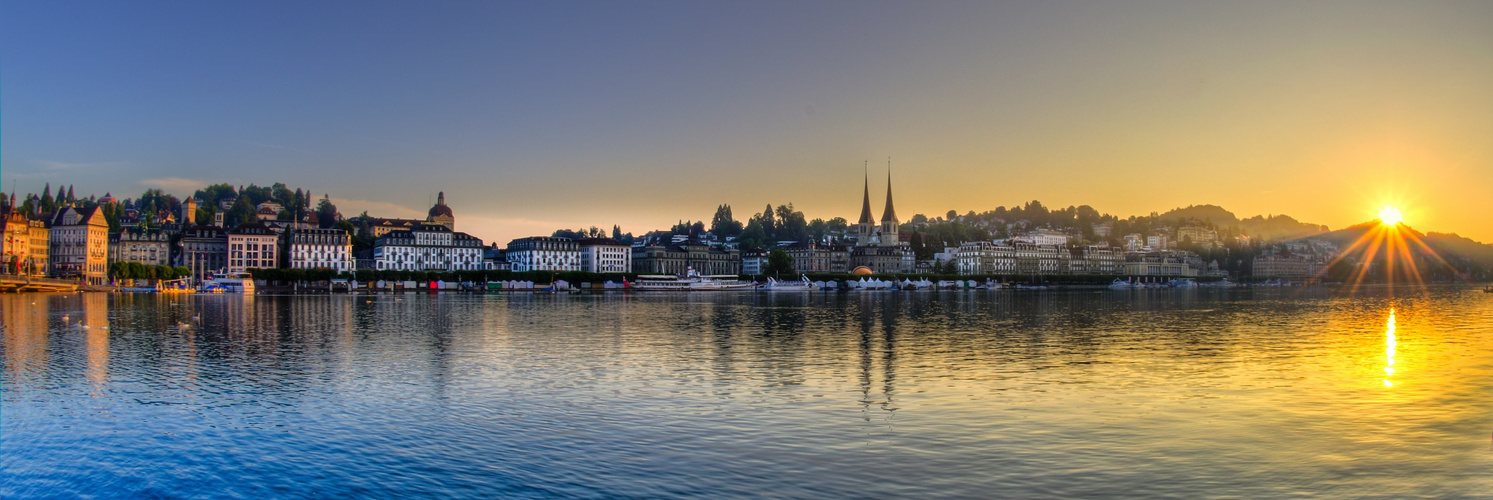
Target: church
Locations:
point(878, 246)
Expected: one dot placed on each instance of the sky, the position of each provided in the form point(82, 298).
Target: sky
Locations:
point(544, 115)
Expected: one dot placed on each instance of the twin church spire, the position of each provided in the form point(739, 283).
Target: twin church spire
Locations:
point(870, 234)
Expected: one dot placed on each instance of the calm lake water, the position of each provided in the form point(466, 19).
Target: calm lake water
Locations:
point(1262, 393)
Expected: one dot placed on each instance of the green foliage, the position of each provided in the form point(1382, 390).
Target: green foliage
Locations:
point(779, 263)
point(723, 224)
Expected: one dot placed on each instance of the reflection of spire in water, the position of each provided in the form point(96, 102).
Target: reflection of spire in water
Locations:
point(1389, 348)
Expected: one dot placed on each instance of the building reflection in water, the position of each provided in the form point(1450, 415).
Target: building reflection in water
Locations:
point(96, 323)
point(1389, 349)
point(26, 335)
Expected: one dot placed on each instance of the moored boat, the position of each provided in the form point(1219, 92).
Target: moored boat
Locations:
point(691, 281)
point(801, 285)
point(233, 283)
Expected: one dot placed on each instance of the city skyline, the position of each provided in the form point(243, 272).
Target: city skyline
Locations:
point(535, 118)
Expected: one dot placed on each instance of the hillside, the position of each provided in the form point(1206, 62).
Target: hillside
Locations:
point(1271, 228)
point(1461, 253)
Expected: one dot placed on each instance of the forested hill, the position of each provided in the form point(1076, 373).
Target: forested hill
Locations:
point(1264, 228)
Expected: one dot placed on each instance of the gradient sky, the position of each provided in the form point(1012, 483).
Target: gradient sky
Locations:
point(543, 115)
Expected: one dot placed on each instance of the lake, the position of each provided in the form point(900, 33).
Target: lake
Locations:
point(1254, 393)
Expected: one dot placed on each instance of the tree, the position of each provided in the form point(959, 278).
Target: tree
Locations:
point(723, 224)
point(918, 219)
point(753, 236)
point(779, 263)
point(326, 212)
point(952, 215)
point(242, 212)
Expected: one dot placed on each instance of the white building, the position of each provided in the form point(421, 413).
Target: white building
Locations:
point(321, 249)
point(427, 247)
point(1157, 242)
point(752, 262)
point(605, 255)
point(1044, 237)
point(544, 253)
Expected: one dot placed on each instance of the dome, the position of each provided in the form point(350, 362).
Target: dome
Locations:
point(440, 208)
point(862, 270)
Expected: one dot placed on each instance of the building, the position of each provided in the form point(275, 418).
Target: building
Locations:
point(41, 237)
point(675, 258)
point(816, 258)
point(985, 257)
point(1158, 263)
point(1097, 259)
point(428, 247)
point(79, 244)
point(605, 255)
point(1281, 267)
point(544, 253)
point(1039, 259)
point(878, 247)
point(753, 262)
point(150, 247)
point(1134, 242)
point(15, 239)
point(1044, 237)
point(1197, 235)
point(1158, 242)
point(188, 212)
point(252, 245)
point(204, 250)
point(1102, 230)
point(381, 226)
point(320, 249)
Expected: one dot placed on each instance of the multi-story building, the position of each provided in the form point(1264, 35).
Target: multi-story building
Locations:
point(605, 255)
point(1291, 268)
point(204, 250)
point(1158, 263)
point(15, 239)
point(985, 257)
point(1097, 259)
point(151, 247)
point(1158, 242)
point(676, 258)
point(544, 253)
point(252, 245)
point(816, 258)
point(1134, 242)
point(40, 256)
point(1044, 237)
point(428, 247)
point(753, 262)
point(1198, 235)
point(79, 244)
point(320, 249)
point(1038, 259)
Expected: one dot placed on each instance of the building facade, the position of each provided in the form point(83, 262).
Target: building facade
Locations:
point(544, 253)
point(150, 247)
point(79, 244)
point(204, 250)
point(15, 241)
point(428, 247)
point(676, 258)
point(1291, 268)
point(815, 258)
point(320, 249)
point(605, 255)
point(252, 245)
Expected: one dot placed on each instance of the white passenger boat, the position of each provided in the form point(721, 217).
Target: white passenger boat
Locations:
point(233, 283)
point(691, 281)
point(801, 285)
point(1119, 284)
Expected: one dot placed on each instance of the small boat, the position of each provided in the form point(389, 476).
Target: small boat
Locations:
point(232, 283)
point(801, 285)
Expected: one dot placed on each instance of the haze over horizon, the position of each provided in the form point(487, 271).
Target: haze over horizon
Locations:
point(534, 117)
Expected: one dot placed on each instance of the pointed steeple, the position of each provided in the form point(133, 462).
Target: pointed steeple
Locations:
point(440, 198)
point(889, 214)
point(866, 203)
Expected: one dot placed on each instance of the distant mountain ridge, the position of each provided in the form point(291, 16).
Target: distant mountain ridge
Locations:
point(1264, 228)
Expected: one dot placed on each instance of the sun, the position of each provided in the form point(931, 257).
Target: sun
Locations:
point(1390, 216)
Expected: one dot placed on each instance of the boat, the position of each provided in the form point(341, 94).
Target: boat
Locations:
point(800, 285)
point(1182, 283)
point(232, 283)
point(1119, 284)
point(691, 281)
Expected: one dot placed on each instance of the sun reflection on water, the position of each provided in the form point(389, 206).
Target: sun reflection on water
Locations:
point(1389, 348)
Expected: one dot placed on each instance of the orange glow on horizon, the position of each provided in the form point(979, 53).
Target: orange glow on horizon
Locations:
point(1390, 216)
